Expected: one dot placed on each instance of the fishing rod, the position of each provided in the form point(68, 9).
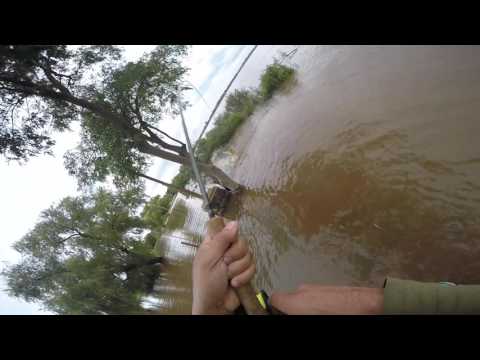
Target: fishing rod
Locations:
point(223, 95)
point(246, 294)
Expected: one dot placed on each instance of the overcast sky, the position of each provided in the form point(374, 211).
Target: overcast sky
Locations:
point(25, 190)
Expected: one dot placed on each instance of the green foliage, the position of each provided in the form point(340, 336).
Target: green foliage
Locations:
point(141, 92)
point(183, 177)
point(103, 152)
point(239, 106)
point(150, 240)
point(155, 211)
point(45, 88)
point(273, 78)
point(241, 101)
point(86, 255)
point(225, 126)
point(28, 73)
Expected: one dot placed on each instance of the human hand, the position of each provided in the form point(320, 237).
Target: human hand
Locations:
point(329, 300)
point(222, 263)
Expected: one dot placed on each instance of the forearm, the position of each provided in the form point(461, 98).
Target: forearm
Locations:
point(330, 300)
point(349, 301)
point(358, 300)
point(397, 297)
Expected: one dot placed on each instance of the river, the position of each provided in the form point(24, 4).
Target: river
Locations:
point(368, 166)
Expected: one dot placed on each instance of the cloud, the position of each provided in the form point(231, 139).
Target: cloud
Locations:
point(220, 61)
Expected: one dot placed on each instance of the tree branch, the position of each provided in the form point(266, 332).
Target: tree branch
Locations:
point(137, 108)
point(76, 233)
point(115, 120)
point(207, 169)
point(56, 83)
point(183, 191)
point(30, 88)
point(144, 124)
point(153, 137)
point(67, 238)
point(61, 75)
point(164, 133)
point(12, 108)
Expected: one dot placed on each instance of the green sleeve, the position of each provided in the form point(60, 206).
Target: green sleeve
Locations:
point(413, 297)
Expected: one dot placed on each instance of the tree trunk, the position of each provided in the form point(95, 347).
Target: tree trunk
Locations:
point(180, 156)
point(141, 141)
point(183, 191)
point(207, 169)
point(217, 173)
point(145, 262)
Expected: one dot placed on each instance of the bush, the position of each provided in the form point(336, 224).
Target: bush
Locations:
point(240, 100)
point(239, 106)
point(273, 78)
point(155, 211)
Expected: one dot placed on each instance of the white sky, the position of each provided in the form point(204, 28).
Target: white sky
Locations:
point(25, 190)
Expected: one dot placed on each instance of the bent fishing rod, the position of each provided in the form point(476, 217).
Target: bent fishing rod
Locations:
point(248, 298)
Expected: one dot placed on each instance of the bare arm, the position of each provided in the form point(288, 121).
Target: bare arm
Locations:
point(329, 300)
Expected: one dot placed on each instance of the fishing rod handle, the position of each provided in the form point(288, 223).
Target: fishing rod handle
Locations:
point(245, 293)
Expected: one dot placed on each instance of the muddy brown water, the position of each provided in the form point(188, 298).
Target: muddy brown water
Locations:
point(367, 167)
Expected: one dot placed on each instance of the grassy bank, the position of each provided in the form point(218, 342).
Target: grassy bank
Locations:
point(239, 106)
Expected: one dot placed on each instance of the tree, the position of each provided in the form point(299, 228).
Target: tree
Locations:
point(87, 255)
point(118, 103)
point(89, 164)
point(155, 211)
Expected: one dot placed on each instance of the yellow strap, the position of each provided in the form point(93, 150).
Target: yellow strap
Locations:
point(261, 300)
